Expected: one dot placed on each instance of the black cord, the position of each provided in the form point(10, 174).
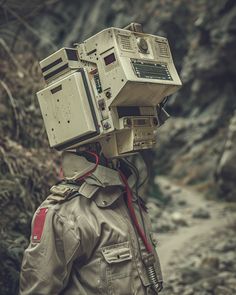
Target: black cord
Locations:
point(162, 104)
point(148, 172)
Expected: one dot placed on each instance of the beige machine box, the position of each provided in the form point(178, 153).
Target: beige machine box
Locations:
point(108, 89)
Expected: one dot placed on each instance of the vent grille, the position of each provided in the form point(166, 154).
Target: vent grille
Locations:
point(163, 49)
point(125, 42)
point(151, 71)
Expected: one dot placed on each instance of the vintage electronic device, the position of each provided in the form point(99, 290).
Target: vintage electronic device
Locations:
point(108, 89)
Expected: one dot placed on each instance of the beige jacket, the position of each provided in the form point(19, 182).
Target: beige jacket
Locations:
point(87, 244)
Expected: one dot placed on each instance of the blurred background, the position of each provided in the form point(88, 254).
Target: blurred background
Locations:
point(192, 192)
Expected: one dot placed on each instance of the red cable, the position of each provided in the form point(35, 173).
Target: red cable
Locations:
point(133, 215)
point(93, 169)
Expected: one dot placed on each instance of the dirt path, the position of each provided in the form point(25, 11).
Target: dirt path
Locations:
point(172, 244)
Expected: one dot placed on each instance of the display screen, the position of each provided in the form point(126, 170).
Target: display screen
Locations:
point(140, 122)
point(109, 59)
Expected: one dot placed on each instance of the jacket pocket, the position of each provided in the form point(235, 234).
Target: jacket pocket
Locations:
point(116, 269)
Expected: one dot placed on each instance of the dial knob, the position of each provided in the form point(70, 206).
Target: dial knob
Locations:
point(142, 45)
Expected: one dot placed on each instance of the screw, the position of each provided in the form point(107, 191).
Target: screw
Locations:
point(127, 122)
point(106, 125)
point(108, 94)
point(155, 121)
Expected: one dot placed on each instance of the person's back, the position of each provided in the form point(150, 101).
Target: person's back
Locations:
point(83, 239)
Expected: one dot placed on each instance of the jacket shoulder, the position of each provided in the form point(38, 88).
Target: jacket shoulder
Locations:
point(63, 192)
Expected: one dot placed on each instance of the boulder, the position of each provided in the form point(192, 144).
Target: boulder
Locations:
point(178, 219)
point(201, 213)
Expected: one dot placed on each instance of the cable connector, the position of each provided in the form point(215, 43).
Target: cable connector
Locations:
point(149, 261)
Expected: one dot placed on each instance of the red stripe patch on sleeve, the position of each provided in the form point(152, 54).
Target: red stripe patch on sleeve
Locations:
point(38, 225)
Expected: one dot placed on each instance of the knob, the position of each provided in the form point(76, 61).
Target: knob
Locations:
point(142, 45)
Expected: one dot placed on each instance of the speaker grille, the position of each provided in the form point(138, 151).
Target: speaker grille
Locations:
point(151, 70)
point(163, 49)
point(125, 42)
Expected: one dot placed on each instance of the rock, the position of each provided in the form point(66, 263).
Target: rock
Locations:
point(228, 260)
point(209, 283)
point(220, 290)
point(182, 202)
point(211, 262)
point(190, 275)
point(225, 246)
point(166, 186)
point(177, 289)
point(231, 283)
point(176, 190)
point(3, 111)
point(179, 219)
point(224, 275)
point(201, 213)
point(188, 291)
point(153, 210)
point(173, 277)
point(163, 225)
point(198, 272)
point(226, 170)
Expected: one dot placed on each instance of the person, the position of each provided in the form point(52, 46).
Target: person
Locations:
point(83, 238)
point(92, 234)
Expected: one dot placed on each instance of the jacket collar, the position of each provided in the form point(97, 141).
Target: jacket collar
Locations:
point(74, 167)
